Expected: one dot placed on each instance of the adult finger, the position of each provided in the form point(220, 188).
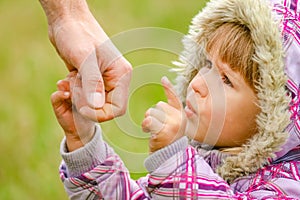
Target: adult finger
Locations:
point(116, 72)
point(171, 95)
point(92, 82)
point(107, 112)
point(115, 105)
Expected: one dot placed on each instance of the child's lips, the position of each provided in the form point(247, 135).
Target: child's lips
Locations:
point(189, 111)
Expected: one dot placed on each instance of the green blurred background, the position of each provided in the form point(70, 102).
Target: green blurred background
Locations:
point(29, 69)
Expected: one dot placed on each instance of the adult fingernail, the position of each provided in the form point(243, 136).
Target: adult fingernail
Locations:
point(96, 100)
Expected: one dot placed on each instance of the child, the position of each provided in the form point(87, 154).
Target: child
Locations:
point(246, 144)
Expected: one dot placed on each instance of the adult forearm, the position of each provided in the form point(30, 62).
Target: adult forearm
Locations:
point(58, 9)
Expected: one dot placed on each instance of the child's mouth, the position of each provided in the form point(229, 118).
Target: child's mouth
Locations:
point(189, 111)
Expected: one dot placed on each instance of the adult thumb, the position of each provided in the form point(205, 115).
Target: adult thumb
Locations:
point(173, 99)
point(92, 82)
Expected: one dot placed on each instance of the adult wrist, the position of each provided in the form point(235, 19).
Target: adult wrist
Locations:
point(59, 9)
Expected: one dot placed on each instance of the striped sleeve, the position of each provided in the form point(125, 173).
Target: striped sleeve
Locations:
point(181, 173)
point(96, 172)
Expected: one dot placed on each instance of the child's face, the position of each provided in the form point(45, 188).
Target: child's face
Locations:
point(221, 107)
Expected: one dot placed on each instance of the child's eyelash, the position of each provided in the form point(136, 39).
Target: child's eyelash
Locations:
point(227, 81)
point(208, 63)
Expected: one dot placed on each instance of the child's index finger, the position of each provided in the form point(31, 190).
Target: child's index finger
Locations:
point(173, 99)
point(63, 85)
point(58, 97)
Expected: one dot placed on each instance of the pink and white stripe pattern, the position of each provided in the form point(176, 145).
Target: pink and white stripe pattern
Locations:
point(288, 12)
point(186, 175)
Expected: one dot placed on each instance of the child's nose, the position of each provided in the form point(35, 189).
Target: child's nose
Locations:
point(199, 85)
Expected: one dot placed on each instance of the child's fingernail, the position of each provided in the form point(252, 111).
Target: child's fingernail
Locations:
point(165, 80)
point(96, 100)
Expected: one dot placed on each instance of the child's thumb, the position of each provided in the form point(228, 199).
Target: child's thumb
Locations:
point(173, 99)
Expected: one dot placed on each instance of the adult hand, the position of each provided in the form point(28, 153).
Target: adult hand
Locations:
point(166, 121)
point(83, 45)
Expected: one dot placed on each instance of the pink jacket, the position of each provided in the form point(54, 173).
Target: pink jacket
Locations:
point(267, 168)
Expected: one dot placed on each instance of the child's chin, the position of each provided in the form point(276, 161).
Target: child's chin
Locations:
point(190, 131)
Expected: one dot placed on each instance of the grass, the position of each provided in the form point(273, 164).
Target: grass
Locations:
point(30, 68)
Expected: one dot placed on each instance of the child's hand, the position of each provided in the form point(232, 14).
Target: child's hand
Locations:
point(166, 121)
point(78, 129)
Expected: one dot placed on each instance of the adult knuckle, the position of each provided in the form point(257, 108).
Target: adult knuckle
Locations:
point(127, 66)
point(121, 111)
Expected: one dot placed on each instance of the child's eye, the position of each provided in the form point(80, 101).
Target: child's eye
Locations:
point(227, 81)
point(208, 64)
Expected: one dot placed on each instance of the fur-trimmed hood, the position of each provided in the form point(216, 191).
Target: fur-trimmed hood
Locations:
point(274, 117)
